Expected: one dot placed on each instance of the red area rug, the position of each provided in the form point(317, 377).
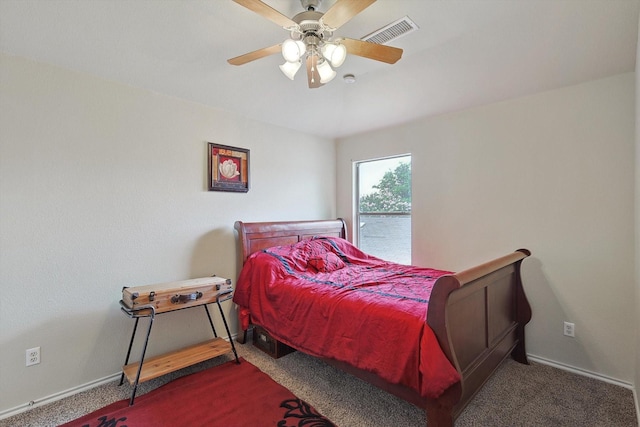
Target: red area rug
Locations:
point(228, 395)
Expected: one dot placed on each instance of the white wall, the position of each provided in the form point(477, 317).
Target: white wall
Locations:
point(553, 173)
point(104, 186)
point(637, 233)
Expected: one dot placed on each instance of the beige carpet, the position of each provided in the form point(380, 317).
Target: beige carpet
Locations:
point(518, 395)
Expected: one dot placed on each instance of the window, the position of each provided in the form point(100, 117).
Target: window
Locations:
point(383, 208)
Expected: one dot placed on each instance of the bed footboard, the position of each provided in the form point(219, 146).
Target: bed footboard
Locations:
point(478, 316)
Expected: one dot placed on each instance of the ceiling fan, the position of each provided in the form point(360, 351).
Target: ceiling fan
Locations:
point(310, 39)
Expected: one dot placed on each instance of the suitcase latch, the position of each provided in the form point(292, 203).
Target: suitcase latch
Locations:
point(176, 299)
point(226, 287)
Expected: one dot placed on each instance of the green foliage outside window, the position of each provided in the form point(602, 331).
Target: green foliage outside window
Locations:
point(392, 193)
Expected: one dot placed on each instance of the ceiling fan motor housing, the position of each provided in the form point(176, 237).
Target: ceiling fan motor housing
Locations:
point(308, 21)
point(310, 30)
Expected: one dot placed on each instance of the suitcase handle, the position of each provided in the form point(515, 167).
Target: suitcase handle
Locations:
point(177, 299)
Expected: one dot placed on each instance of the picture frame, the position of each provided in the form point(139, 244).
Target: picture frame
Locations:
point(228, 168)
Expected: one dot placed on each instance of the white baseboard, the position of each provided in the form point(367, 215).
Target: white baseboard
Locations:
point(66, 393)
point(57, 396)
point(580, 371)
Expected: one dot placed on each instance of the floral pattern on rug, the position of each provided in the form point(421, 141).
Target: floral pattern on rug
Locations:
point(301, 414)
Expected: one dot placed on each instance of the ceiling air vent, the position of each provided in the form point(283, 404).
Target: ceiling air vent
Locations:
point(392, 31)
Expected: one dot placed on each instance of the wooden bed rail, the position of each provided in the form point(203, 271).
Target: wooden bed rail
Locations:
point(474, 273)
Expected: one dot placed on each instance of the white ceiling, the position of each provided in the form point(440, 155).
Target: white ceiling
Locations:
point(466, 53)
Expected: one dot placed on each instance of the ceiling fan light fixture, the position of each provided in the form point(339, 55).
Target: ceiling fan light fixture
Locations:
point(293, 50)
point(326, 72)
point(290, 69)
point(335, 53)
point(311, 39)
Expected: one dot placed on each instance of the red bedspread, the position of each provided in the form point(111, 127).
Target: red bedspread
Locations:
point(327, 298)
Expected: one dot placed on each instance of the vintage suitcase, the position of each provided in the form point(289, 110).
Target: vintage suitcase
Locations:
point(270, 345)
point(176, 295)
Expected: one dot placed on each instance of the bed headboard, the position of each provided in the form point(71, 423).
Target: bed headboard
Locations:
point(255, 236)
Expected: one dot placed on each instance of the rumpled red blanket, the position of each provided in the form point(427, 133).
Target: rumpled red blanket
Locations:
point(327, 298)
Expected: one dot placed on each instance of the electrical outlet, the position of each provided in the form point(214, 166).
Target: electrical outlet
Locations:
point(569, 329)
point(33, 356)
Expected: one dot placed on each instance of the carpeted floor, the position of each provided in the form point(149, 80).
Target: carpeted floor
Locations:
point(517, 395)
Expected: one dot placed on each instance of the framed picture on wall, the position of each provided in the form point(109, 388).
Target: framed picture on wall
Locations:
point(228, 168)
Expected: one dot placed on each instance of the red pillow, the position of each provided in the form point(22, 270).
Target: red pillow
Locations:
point(326, 263)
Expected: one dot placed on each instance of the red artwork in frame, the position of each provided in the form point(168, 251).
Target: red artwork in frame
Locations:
point(228, 168)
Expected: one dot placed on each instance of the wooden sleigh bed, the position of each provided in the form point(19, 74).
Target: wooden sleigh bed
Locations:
point(477, 315)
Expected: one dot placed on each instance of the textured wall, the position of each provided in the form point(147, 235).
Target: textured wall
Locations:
point(102, 186)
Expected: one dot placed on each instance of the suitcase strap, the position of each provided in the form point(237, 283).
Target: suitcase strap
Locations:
point(180, 299)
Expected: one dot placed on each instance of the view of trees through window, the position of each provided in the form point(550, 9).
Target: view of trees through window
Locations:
point(392, 193)
point(384, 208)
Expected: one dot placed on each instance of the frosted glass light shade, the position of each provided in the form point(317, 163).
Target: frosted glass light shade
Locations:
point(290, 69)
point(292, 50)
point(326, 72)
point(334, 53)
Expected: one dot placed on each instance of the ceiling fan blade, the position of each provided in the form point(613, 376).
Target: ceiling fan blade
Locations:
point(256, 54)
point(375, 51)
point(343, 10)
point(267, 11)
point(312, 72)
